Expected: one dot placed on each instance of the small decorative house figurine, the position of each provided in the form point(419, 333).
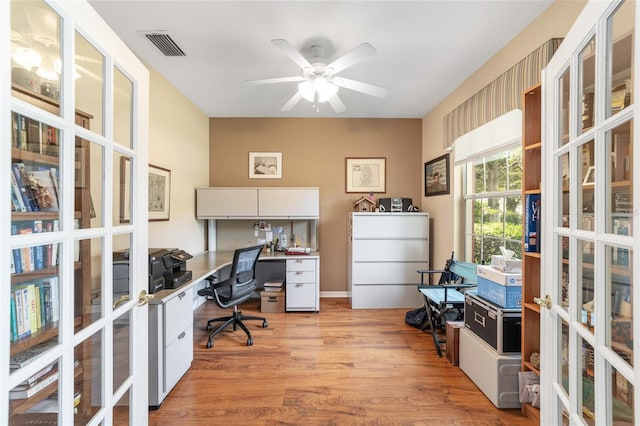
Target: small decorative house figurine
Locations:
point(365, 204)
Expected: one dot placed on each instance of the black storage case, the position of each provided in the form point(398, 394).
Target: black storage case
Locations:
point(497, 326)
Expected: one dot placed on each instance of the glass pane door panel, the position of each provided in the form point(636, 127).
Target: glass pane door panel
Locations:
point(88, 280)
point(619, 189)
point(620, 61)
point(588, 383)
point(121, 350)
point(121, 270)
point(622, 400)
point(34, 303)
point(37, 396)
point(121, 410)
point(563, 273)
point(122, 188)
point(620, 287)
point(122, 108)
point(564, 357)
point(89, 366)
point(89, 81)
point(565, 171)
point(34, 173)
point(588, 60)
point(563, 120)
point(89, 184)
point(586, 215)
point(586, 284)
point(35, 54)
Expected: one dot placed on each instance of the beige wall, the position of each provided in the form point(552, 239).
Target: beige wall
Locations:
point(313, 154)
point(554, 22)
point(178, 141)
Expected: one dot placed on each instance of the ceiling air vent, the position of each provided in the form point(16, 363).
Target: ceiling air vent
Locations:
point(164, 43)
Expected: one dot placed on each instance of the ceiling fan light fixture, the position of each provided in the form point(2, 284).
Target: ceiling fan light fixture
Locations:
point(27, 58)
point(320, 85)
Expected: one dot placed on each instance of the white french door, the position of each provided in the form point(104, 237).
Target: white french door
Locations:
point(73, 159)
point(588, 371)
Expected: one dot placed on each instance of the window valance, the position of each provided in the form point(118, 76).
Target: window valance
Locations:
point(500, 96)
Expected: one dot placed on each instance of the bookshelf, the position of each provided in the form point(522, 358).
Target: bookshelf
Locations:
point(531, 190)
point(36, 280)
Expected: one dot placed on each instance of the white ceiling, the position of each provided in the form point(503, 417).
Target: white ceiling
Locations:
point(425, 49)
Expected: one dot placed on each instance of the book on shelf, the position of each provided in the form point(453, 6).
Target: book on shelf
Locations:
point(29, 355)
point(37, 376)
point(51, 286)
point(532, 223)
point(43, 189)
point(17, 173)
point(33, 135)
point(274, 285)
point(51, 378)
point(16, 195)
point(14, 319)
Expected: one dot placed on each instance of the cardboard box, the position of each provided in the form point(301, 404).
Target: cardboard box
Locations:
point(271, 301)
point(500, 288)
point(453, 341)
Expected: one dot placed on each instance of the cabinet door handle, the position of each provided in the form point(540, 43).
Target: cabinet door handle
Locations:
point(478, 318)
point(181, 335)
point(299, 273)
point(181, 295)
point(299, 285)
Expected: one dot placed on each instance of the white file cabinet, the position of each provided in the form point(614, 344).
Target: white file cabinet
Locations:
point(303, 284)
point(170, 343)
point(384, 252)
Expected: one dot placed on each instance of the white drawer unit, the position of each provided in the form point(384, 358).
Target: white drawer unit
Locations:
point(385, 250)
point(303, 285)
point(170, 343)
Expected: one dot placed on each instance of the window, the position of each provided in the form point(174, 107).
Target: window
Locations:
point(493, 205)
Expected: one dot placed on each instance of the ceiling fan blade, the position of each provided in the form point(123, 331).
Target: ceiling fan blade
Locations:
point(291, 52)
point(359, 86)
point(336, 104)
point(274, 80)
point(292, 102)
point(356, 55)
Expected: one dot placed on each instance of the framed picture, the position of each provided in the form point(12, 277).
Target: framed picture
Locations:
point(436, 176)
point(265, 165)
point(590, 176)
point(366, 175)
point(159, 192)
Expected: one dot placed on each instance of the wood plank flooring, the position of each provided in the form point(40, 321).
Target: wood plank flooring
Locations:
point(336, 367)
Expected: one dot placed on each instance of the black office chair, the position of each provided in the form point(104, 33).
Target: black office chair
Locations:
point(233, 291)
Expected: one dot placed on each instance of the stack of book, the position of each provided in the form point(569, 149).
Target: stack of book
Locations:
point(274, 285)
point(35, 383)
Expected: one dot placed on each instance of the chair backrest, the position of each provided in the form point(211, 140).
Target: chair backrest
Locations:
point(243, 271)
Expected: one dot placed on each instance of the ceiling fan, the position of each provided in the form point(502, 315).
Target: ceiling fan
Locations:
point(319, 82)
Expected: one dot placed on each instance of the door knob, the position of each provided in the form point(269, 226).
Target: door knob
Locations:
point(545, 303)
point(121, 299)
point(144, 298)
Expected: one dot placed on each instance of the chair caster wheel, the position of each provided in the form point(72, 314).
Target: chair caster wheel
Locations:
point(265, 324)
point(249, 341)
point(209, 344)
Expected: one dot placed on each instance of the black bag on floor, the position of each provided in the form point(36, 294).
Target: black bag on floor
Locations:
point(417, 318)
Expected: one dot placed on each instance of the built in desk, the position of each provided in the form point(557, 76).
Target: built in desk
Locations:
point(171, 311)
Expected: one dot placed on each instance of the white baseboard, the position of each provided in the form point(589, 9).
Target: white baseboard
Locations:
point(329, 294)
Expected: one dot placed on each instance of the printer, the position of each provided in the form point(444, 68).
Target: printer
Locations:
point(167, 269)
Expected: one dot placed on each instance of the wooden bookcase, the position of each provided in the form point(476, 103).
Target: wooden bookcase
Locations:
point(531, 184)
point(38, 148)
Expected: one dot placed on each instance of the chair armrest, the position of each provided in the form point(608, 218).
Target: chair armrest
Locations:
point(430, 272)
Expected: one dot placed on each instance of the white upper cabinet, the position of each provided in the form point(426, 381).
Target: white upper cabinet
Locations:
point(242, 203)
point(226, 202)
point(289, 202)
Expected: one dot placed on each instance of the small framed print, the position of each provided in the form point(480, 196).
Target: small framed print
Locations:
point(590, 176)
point(436, 176)
point(159, 193)
point(366, 174)
point(265, 165)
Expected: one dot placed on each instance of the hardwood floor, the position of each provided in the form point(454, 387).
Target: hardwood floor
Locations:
point(336, 367)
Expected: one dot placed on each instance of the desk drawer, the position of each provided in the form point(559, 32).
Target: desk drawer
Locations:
point(300, 296)
point(301, 265)
point(178, 314)
point(178, 357)
point(301, 277)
